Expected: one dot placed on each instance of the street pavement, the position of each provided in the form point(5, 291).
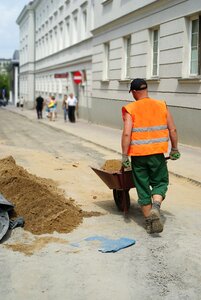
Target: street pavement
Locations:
point(188, 166)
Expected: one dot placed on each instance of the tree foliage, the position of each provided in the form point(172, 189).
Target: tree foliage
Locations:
point(4, 84)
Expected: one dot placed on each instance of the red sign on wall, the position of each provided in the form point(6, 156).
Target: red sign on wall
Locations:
point(77, 77)
point(61, 75)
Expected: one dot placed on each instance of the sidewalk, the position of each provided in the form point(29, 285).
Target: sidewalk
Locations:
point(188, 166)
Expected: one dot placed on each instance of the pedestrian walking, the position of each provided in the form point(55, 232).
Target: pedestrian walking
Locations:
point(39, 107)
point(72, 105)
point(52, 107)
point(3, 93)
point(47, 109)
point(148, 125)
point(65, 107)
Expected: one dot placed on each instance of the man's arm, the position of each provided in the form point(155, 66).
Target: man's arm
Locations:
point(172, 130)
point(126, 134)
point(174, 153)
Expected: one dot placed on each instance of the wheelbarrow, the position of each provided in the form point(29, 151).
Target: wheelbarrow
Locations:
point(120, 182)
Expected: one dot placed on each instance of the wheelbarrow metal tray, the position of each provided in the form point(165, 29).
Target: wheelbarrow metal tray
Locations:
point(116, 180)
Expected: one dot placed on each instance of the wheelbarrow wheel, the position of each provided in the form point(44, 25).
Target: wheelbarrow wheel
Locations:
point(119, 199)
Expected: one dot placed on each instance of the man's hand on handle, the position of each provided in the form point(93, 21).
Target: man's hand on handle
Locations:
point(174, 154)
point(125, 161)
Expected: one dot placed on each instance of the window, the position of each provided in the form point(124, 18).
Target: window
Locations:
point(195, 64)
point(155, 53)
point(61, 9)
point(39, 42)
point(67, 2)
point(126, 57)
point(75, 33)
point(67, 32)
point(50, 50)
point(106, 61)
point(61, 36)
point(36, 50)
point(46, 45)
point(55, 44)
point(92, 15)
point(84, 23)
point(43, 46)
point(51, 21)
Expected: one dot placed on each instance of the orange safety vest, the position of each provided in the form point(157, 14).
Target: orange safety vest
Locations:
point(149, 133)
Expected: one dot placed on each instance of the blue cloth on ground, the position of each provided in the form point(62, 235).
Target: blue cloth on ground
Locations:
point(109, 245)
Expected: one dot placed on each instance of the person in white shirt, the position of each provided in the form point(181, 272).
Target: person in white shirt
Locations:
point(72, 104)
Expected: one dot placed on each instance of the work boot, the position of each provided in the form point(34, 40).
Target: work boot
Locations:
point(148, 225)
point(157, 225)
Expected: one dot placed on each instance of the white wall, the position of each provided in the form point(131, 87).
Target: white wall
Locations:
point(174, 83)
point(58, 48)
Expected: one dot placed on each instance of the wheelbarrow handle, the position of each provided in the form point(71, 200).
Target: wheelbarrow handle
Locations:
point(125, 206)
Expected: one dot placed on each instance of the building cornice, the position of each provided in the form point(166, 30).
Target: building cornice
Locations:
point(86, 59)
point(137, 14)
point(26, 9)
point(35, 3)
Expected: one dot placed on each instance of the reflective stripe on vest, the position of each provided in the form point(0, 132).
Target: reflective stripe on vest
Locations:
point(150, 141)
point(148, 129)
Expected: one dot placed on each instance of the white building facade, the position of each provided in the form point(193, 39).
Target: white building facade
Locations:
point(56, 42)
point(159, 41)
point(26, 22)
point(111, 42)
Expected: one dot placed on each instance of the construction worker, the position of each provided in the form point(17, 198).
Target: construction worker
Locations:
point(148, 125)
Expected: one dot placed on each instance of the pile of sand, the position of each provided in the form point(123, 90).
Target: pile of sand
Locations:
point(38, 200)
point(112, 165)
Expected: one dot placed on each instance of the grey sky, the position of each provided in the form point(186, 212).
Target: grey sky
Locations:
point(9, 31)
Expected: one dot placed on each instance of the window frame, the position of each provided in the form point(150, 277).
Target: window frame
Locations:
point(198, 73)
point(125, 72)
point(153, 30)
point(75, 27)
point(61, 36)
point(67, 32)
point(106, 60)
point(84, 20)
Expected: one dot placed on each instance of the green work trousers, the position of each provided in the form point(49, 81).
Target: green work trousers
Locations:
point(150, 176)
